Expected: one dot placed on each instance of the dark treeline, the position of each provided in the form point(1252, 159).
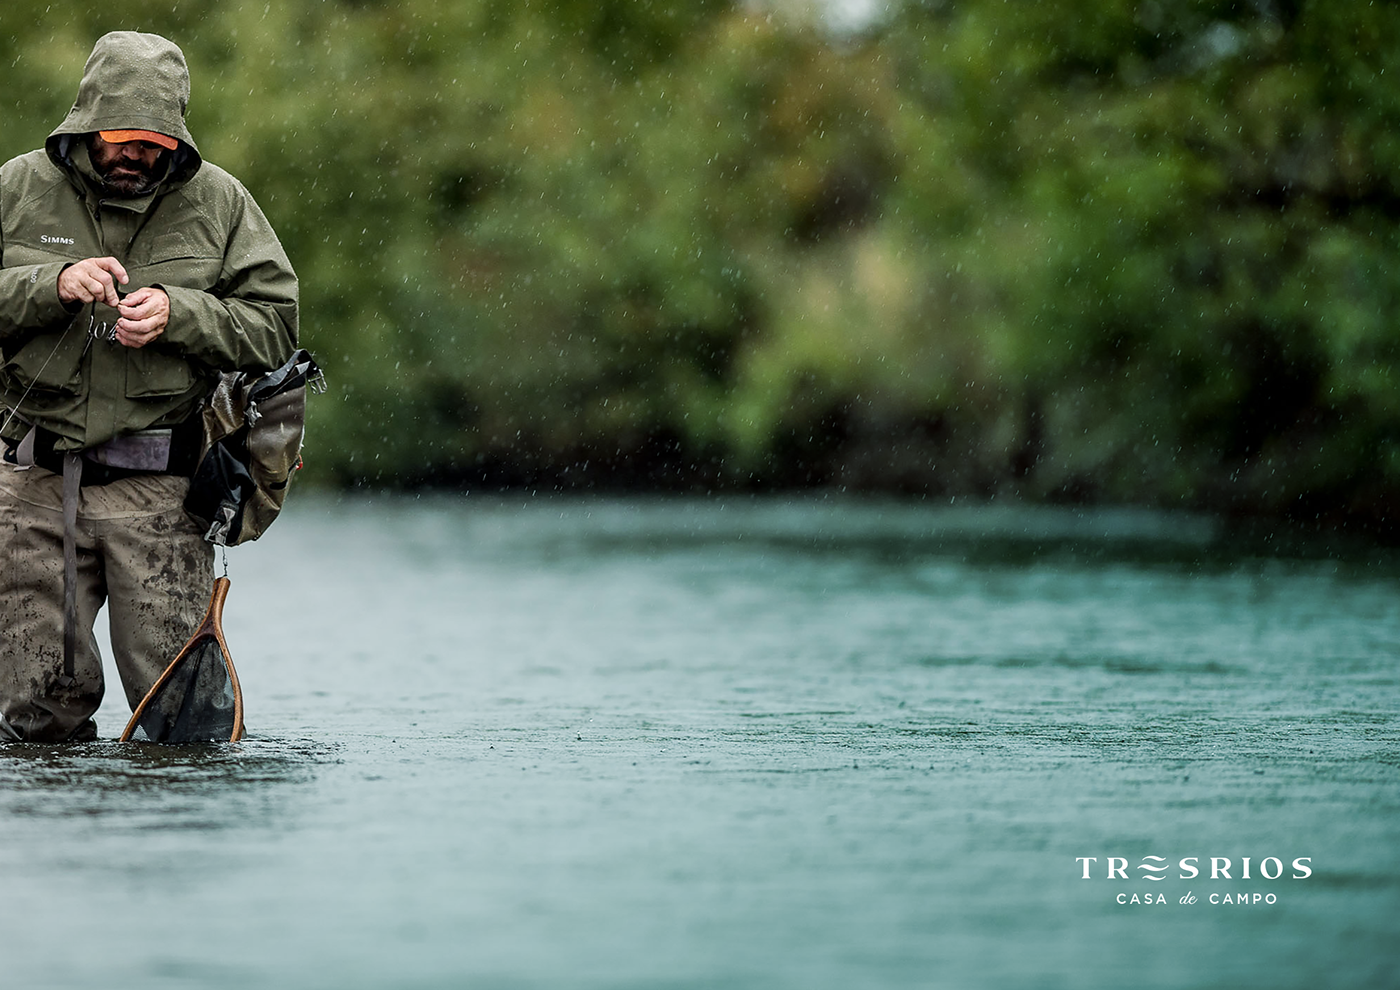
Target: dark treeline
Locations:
point(1137, 252)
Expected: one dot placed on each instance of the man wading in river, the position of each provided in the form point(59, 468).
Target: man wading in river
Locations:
point(131, 274)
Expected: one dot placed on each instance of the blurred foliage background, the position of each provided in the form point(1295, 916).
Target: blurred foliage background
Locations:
point(1134, 252)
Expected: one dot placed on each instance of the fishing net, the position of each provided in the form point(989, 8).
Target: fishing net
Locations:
point(196, 704)
point(197, 698)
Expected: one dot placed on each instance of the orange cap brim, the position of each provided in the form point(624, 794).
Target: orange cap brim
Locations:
point(121, 137)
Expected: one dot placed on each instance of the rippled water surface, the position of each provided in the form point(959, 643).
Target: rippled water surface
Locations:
point(539, 743)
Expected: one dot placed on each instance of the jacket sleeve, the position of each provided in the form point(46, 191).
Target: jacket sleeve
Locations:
point(29, 299)
point(248, 320)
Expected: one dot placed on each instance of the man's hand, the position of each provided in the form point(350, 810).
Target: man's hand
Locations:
point(92, 280)
point(145, 314)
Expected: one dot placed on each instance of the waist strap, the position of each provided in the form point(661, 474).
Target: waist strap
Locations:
point(149, 451)
point(170, 451)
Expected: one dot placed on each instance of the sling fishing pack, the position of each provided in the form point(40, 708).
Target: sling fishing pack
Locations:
point(253, 429)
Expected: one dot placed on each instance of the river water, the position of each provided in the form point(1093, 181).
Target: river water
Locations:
point(520, 743)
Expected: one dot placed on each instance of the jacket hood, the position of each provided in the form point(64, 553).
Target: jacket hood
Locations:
point(132, 82)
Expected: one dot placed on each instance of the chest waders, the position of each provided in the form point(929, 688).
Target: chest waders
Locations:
point(149, 452)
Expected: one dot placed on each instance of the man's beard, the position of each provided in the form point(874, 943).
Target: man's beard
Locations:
point(131, 180)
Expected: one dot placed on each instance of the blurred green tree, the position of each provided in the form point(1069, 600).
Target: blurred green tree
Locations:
point(1145, 252)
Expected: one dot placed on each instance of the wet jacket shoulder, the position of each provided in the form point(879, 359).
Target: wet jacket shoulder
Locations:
point(33, 257)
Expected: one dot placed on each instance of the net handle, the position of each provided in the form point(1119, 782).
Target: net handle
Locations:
point(211, 625)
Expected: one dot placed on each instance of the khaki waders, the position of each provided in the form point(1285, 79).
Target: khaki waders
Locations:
point(137, 550)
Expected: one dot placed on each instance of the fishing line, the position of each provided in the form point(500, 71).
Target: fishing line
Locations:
point(91, 335)
point(38, 374)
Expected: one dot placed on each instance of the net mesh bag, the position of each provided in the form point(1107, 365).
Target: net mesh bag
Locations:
point(197, 698)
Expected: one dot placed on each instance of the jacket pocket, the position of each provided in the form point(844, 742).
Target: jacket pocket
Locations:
point(153, 375)
point(47, 362)
point(175, 258)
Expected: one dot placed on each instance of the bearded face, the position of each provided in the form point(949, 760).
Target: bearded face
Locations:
point(131, 168)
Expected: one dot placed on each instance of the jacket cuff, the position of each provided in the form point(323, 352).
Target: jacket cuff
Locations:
point(43, 291)
point(181, 314)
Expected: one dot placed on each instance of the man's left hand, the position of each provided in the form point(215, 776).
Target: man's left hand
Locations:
point(145, 314)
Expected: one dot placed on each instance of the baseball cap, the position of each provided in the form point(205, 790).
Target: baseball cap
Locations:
point(121, 137)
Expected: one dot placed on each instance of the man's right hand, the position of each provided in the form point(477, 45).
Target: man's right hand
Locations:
point(91, 280)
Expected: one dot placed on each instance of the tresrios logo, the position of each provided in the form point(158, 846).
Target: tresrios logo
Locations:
point(1155, 869)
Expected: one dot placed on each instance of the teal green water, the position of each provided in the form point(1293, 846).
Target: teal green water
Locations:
point(686, 744)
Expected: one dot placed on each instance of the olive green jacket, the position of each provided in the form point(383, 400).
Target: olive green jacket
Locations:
point(199, 236)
